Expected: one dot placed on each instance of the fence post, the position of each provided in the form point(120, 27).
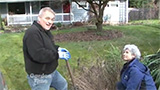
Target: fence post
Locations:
point(159, 10)
point(1, 25)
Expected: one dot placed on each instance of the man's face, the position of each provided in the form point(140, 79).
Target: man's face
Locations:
point(46, 20)
point(127, 55)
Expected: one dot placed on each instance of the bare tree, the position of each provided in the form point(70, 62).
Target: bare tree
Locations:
point(97, 8)
point(157, 2)
point(159, 10)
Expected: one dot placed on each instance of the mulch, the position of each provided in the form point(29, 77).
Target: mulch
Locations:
point(89, 35)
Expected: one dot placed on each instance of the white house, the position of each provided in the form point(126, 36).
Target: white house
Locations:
point(116, 12)
point(26, 11)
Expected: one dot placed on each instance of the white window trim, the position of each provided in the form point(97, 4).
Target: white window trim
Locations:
point(82, 3)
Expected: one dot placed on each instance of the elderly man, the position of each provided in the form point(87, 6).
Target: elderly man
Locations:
point(41, 54)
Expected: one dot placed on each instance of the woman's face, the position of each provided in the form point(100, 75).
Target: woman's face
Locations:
point(127, 55)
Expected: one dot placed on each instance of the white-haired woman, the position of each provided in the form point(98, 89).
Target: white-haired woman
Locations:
point(134, 75)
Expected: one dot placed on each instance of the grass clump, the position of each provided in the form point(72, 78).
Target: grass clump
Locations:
point(103, 74)
point(153, 63)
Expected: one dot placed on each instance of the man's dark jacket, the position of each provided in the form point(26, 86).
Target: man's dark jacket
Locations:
point(40, 52)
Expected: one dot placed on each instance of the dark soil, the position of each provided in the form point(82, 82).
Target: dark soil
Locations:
point(88, 36)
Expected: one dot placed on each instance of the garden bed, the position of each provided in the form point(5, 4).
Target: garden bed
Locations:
point(89, 35)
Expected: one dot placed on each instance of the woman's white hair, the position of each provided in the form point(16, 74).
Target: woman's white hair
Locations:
point(133, 49)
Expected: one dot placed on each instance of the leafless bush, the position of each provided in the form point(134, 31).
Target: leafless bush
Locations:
point(103, 75)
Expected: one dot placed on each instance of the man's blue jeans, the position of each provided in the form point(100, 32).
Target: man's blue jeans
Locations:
point(44, 82)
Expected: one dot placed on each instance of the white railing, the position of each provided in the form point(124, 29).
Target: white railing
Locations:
point(28, 19)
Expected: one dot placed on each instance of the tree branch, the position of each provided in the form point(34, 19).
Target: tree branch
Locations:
point(93, 7)
point(83, 6)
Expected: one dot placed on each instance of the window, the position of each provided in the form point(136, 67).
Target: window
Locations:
point(44, 4)
point(114, 5)
point(16, 8)
point(82, 3)
point(35, 7)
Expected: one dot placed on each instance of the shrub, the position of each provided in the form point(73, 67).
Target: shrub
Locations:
point(58, 24)
point(104, 74)
point(153, 63)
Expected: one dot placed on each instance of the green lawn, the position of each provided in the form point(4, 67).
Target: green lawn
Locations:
point(146, 37)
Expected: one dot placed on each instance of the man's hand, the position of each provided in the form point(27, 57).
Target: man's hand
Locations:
point(63, 53)
point(62, 49)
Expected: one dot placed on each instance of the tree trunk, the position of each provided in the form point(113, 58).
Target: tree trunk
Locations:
point(159, 10)
point(99, 26)
point(1, 26)
point(99, 22)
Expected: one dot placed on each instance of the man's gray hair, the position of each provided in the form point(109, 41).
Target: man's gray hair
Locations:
point(44, 10)
point(133, 49)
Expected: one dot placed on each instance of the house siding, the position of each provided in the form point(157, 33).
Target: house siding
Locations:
point(76, 14)
point(31, 10)
point(120, 14)
point(79, 13)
